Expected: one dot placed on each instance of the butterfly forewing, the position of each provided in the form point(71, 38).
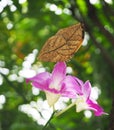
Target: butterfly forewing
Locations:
point(63, 45)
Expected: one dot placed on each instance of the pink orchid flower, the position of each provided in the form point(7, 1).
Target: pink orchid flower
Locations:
point(56, 84)
point(84, 101)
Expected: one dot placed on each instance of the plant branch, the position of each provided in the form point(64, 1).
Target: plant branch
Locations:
point(88, 29)
point(111, 125)
point(108, 14)
point(93, 16)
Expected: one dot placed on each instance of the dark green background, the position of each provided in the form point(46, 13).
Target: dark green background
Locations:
point(92, 62)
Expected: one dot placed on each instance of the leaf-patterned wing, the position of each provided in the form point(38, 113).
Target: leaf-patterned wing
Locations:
point(49, 52)
point(63, 45)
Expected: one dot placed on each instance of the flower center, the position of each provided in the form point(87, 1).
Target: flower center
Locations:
point(55, 85)
point(81, 104)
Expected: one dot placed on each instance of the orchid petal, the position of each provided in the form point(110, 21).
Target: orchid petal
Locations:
point(40, 81)
point(69, 87)
point(58, 74)
point(79, 82)
point(86, 89)
point(98, 110)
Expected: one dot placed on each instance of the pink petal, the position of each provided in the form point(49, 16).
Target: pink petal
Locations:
point(79, 82)
point(98, 110)
point(86, 89)
point(69, 87)
point(40, 81)
point(59, 73)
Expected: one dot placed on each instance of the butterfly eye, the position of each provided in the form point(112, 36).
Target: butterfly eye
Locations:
point(63, 45)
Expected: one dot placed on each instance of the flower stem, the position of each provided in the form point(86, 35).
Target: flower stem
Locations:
point(59, 113)
point(48, 121)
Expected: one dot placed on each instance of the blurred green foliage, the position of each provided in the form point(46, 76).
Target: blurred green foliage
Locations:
point(27, 28)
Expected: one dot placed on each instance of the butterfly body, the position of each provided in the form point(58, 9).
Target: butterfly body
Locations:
point(63, 45)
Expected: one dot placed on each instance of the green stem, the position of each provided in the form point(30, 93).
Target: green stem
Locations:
point(59, 113)
point(49, 120)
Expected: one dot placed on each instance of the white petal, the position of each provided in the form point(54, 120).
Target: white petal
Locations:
point(81, 104)
point(52, 98)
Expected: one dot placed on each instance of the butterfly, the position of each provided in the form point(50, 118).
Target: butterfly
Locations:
point(63, 45)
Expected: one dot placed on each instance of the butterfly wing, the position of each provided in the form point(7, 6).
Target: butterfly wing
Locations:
point(49, 52)
point(63, 45)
